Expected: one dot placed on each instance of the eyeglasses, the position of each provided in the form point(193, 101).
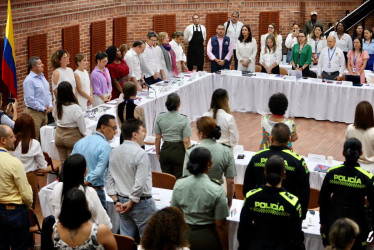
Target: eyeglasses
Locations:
point(113, 128)
point(300, 36)
point(153, 41)
point(220, 28)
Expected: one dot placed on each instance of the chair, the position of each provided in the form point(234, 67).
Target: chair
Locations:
point(313, 199)
point(239, 191)
point(163, 180)
point(258, 68)
point(34, 223)
point(125, 242)
point(53, 164)
point(283, 71)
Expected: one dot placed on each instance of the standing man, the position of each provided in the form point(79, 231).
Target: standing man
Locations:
point(149, 64)
point(331, 63)
point(37, 96)
point(129, 180)
point(233, 28)
point(309, 25)
point(219, 50)
point(195, 35)
point(15, 195)
point(96, 149)
point(133, 61)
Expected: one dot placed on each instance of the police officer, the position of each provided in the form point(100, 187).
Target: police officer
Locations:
point(271, 216)
point(223, 158)
point(297, 173)
point(343, 194)
point(175, 130)
point(203, 203)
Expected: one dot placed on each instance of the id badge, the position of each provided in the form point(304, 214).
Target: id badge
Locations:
point(354, 69)
point(329, 65)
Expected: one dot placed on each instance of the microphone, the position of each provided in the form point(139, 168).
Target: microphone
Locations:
point(148, 86)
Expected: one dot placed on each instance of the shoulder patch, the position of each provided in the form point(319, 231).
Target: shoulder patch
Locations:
point(336, 167)
point(226, 145)
point(216, 181)
point(252, 192)
point(289, 197)
point(369, 175)
point(288, 151)
point(266, 149)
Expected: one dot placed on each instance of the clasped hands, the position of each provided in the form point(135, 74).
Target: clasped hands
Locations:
point(125, 207)
point(220, 62)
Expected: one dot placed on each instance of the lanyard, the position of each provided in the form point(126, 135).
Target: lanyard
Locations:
point(330, 58)
point(355, 58)
point(315, 46)
point(106, 77)
point(298, 59)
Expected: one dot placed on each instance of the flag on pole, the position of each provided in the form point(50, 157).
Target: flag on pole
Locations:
point(9, 57)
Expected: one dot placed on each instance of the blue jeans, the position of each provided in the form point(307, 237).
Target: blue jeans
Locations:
point(101, 194)
point(14, 228)
point(137, 217)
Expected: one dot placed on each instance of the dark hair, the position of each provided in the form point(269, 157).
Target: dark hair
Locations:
point(199, 159)
point(208, 126)
point(241, 36)
point(177, 34)
point(165, 230)
point(78, 58)
point(303, 32)
point(172, 101)
point(281, 133)
point(278, 104)
point(339, 22)
point(371, 32)
point(130, 126)
point(24, 129)
point(74, 209)
point(274, 169)
point(364, 116)
point(104, 120)
point(355, 31)
point(220, 100)
point(137, 43)
point(129, 89)
point(220, 24)
point(100, 56)
point(65, 96)
point(151, 34)
point(312, 35)
point(352, 151)
point(56, 58)
point(72, 173)
point(342, 233)
point(32, 62)
point(361, 44)
point(111, 52)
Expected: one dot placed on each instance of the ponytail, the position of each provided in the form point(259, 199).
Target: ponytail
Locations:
point(352, 151)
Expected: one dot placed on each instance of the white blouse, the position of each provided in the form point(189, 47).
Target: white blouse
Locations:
point(366, 137)
point(179, 53)
point(65, 75)
point(161, 61)
point(246, 51)
point(72, 117)
point(270, 57)
point(33, 159)
point(290, 41)
point(317, 46)
point(229, 131)
point(86, 87)
point(97, 210)
point(344, 43)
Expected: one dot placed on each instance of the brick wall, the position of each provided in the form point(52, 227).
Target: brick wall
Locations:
point(50, 16)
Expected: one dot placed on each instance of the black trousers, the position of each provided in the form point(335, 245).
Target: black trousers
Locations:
point(150, 80)
point(190, 66)
point(275, 70)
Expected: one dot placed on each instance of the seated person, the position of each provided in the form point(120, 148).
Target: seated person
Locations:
point(342, 234)
point(5, 117)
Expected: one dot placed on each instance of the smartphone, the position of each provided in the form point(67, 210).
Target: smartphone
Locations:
point(11, 100)
point(241, 156)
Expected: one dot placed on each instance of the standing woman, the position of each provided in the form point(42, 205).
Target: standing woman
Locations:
point(368, 46)
point(291, 40)
point(203, 203)
point(60, 61)
point(100, 80)
point(69, 119)
point(317, 41)
point(175, 130)
point(166, 56)
point(277, 225)
point(343, 194)
point(246, 50)
point(82, 78)
point(343, 40)
point(357, 59)
point(29, 151)
point(301, 56)
point(123, 49)
point(128, 109)
point(358, 32)
point(118, 70)
point(220, 111)
point(177, 46)
point(270, 57)
point(272, 30)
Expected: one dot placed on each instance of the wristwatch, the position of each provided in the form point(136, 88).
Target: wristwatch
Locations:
point(115, 202)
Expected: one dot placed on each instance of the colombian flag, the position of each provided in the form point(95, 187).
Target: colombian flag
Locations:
point(9, 57)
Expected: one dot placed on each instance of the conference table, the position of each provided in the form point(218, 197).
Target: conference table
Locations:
point(162, 197)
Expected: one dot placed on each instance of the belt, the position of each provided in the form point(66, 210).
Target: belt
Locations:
point(35, 110)
point(200, 226)
point(12, 206)
point(331, 73)
point(67, 127)
point(141, 198)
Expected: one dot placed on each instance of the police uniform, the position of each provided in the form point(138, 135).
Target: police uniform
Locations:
point(202, 201)
point(297, 173)
point(222, 157)
point(343, 194)
point(173, 127)
point(270, 219)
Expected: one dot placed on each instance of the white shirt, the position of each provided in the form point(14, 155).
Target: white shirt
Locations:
point(270, 57)
point(247, 51)
point(161, 61)
point(65, 75)
point(33, 159)
point(290, 41)
point(233, 31)
point(366, 137)
point(72, 117)
point(86, 87)
point(188, 32)
point(279, 41)
point(97, 210)
point(344, 43)
point(148, 61)
point(337, 61)
point(320, 45)
point(132, 60)
point(179, 53)
point(229, 131)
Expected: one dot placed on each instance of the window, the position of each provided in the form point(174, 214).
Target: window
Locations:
point(164, 23)
point(71, 43)
point(119, 31)
point(213, 19)
point(98, 42)
point(38, 47)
